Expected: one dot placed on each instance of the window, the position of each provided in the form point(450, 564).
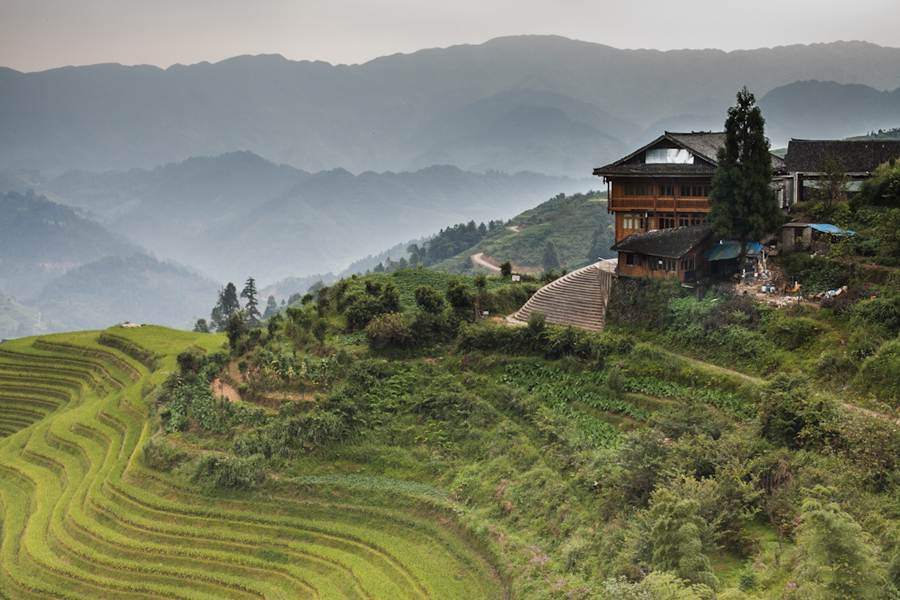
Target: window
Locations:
point(666, 190)
point(639, 189)
point(687, 264)
point(666, 221)
point(632, 221)
point(695, 191)
point(629, 260)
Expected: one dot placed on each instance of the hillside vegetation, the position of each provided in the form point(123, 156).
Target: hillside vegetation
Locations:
point(43, 239)
point(578, 227)
point(387, 444)
point(378, 440)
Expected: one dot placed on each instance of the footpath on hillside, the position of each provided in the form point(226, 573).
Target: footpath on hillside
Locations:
point(849, 407)
point(478, 259)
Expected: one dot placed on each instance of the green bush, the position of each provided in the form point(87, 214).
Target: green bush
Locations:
point(791, 333)
point(880, 374)
point(232, 472)
point(429, 299)
point(791, 413)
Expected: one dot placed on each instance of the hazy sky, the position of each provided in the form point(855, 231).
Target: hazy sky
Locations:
point(43, 34)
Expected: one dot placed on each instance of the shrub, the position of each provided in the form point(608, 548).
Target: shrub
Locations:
point(791, 333)
point(232, 472)
point(816, 273)
point(429, 299)
point(390, 329)
point(880, 374)
point(790, 413)
point(836, 365)
point(458, 294)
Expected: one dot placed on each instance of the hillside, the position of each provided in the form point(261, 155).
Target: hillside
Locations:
point(138, 289)
point(378, 445)
point(539, 103)
point(16, 319)
point(42, 239)
point(827, 110)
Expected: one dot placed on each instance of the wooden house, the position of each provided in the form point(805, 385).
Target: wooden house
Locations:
point(805, 161)
point(666, 183)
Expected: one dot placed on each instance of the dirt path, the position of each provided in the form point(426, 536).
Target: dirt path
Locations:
point(716, 367)
point(478, 259)
point(846, 406)
point(220, 389)
point(516, 228)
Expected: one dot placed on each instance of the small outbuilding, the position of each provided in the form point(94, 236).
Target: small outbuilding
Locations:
point(796, 237)
point(665, 253)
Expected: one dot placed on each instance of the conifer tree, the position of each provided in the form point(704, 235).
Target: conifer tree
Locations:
point(550, 257)
point(227, 305)
point(743, 203)
point(271, 308)
point(249, 293)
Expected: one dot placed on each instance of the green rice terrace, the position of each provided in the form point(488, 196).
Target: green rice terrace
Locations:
point(379, 442)
point(84, 518)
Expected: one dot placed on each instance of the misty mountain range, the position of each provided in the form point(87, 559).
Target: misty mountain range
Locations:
point(237, 215)
point(538, 103)
point(279, 169)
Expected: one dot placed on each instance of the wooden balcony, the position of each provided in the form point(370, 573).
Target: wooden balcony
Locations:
point(677, 204)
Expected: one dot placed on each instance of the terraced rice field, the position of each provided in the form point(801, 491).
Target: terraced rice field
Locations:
point(83, 518)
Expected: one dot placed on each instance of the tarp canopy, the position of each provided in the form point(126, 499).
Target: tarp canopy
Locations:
point(832, 229)
point(730, 249)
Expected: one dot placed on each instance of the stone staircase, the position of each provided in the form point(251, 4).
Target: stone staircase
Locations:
point(578, 299)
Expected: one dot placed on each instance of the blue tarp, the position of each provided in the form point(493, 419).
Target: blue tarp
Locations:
point(730, 249)
point(828, 228)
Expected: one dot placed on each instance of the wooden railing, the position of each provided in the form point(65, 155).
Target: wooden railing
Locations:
point(659, 204)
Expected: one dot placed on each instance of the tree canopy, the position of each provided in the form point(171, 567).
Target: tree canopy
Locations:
point(743, 203)
point(227, 304)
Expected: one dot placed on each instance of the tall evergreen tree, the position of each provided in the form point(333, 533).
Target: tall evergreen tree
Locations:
point(227, 305)
point(550, 256)
point(271, 308)
point(249, 293)
point(743, 203)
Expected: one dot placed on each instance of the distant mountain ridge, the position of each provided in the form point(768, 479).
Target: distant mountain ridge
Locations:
point(237, 215)
point(40, 240)
point(828, 110)
point(539, 103)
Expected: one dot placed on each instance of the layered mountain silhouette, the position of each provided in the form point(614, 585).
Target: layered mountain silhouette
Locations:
point(538, 103)
point(236, 215)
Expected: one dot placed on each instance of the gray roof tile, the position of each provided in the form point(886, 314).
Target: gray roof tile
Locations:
point(863, 156)
point(665, 243)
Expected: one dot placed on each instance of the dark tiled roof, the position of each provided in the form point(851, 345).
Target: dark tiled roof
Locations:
point(665, 243)
point(704, 145)
point(660, 170)
point(808, 156)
